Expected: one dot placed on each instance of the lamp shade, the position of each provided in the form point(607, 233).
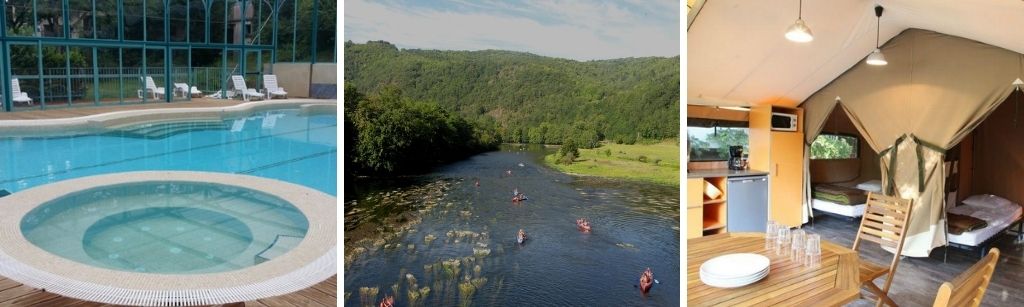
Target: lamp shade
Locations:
point(876, 58)
point(799, 32)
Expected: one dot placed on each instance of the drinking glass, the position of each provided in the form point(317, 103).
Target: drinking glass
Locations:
point(798, 236)
point(771, 230)
point(813, 250)
point(782, 240)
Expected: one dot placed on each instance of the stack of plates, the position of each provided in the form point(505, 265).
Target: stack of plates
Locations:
point(734, 270)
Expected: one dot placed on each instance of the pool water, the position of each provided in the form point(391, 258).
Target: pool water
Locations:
point(280, 144)
point(166, 227)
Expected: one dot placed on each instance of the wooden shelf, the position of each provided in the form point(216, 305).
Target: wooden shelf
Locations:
point(708, 216)
point(714, 201)
point(713, 224)
point(713, 231)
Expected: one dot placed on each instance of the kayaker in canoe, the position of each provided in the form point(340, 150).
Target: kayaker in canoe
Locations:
point(583, 225)
point(521, 236)
point(388, 301)
point(646, 280)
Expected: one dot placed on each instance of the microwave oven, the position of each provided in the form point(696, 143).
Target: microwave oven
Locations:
point(784, 122)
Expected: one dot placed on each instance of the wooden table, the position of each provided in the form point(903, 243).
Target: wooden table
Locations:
point(834, 282)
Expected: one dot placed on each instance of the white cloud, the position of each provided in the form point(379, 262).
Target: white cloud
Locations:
point(581, 30)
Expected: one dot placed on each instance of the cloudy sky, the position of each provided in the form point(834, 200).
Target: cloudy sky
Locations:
point(579, 29)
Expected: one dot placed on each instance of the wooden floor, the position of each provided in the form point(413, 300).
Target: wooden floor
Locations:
point(917, 280)
point(15, 294)
point(90, 110)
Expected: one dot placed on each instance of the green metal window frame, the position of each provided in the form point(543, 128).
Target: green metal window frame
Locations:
point(66, 41)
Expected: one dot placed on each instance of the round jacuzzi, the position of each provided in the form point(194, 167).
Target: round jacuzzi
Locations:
point(166, 227)
point(180, 238)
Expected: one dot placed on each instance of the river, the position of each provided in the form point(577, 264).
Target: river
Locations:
point(442, 232)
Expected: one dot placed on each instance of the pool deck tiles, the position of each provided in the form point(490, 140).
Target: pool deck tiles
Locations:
point(14, 294)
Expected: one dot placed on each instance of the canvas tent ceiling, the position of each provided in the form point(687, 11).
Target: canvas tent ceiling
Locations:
point(737, 55)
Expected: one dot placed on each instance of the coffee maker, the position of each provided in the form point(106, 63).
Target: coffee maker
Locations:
point(736, 158)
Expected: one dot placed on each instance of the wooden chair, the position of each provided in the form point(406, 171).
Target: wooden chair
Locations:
point(885, 222)
point(969, 288)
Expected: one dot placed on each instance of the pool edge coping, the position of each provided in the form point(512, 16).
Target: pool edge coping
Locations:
point(89, 123)
point(311, 262)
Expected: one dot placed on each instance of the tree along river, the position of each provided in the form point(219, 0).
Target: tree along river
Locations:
point(440, 240)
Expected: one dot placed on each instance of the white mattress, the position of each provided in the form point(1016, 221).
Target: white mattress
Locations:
point(834, 208)
point(998, 215)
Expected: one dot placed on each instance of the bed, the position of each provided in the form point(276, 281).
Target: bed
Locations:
point(998, 214)
point(843, 201)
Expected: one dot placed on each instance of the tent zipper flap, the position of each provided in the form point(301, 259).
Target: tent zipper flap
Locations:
point(890, 186)
point(920, 159)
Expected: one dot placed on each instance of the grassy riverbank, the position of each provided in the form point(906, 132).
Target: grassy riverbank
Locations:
point(658, 163)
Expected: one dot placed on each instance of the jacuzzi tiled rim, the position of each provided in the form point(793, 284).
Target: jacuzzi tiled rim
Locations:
point(312, 261)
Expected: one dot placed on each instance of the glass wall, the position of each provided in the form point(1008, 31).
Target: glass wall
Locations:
point(105, 52)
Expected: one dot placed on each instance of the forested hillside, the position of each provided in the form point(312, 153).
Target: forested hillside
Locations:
point(530, 98)
point(390, 133)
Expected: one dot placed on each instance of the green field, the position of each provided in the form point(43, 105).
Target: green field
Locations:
point(658, 163)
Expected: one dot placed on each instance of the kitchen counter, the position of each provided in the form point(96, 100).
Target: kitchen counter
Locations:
point(704, 173)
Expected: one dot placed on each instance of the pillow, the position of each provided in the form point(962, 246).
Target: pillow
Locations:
point(711, 191)
point(871, 186)
point(988, 201)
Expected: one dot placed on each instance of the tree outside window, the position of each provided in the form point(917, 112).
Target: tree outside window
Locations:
point(834, 146)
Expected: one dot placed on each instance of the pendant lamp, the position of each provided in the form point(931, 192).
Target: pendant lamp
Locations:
point(876, 57)
point(799, 32)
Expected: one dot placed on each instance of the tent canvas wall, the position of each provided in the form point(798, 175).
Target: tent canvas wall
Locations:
point(997, 154)
point(936, 89)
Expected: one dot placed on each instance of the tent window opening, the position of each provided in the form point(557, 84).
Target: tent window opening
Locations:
point(835, 146)
point(709, 140)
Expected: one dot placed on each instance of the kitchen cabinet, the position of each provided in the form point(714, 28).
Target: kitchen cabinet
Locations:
point(781, 153)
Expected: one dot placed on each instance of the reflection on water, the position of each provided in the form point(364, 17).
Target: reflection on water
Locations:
point(446, 241)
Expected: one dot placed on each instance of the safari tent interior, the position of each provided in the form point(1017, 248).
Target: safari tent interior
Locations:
point(940, 124)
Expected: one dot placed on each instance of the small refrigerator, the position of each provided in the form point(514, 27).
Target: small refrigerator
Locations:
point(747, 207)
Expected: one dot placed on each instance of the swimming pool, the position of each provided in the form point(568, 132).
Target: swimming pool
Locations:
point(174, 206)
point(166, 227)
point(287, 144)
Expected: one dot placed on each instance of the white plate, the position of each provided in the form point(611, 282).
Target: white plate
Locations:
point(734, 266)
point(731, 283)
point(730, 280)
point(738, 279)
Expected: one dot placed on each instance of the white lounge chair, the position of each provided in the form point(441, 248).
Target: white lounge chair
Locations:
point(184, 89)
point(270, 87)
point(246, 92)
point(16, 93)
point(152, 88)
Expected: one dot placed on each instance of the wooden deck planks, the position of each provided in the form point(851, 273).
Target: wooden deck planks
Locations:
point(16, 295)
